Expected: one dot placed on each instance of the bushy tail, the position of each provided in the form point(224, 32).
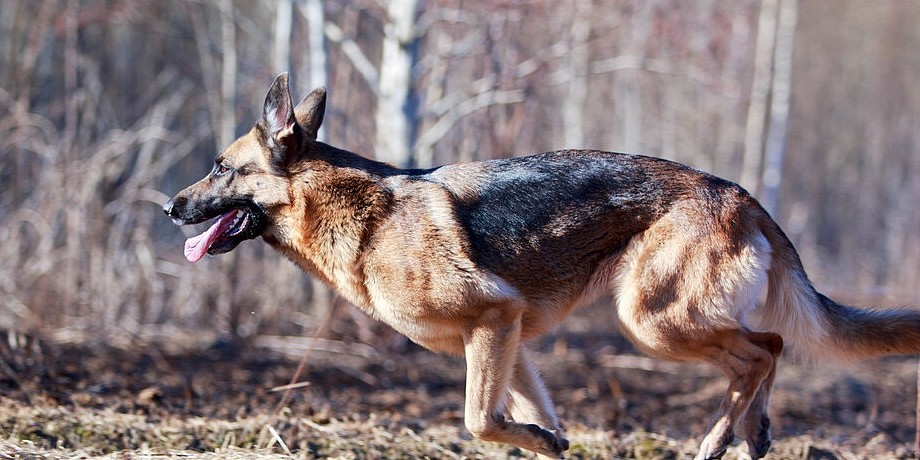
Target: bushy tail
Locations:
point(817, 326)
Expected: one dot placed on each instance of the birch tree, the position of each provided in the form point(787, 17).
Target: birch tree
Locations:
point(574, 105)
point(227, 131)
point(760, 90)
point(312, 11)
point(774, 151)
point(281, 51)
point(395, 109)
point(629, 90)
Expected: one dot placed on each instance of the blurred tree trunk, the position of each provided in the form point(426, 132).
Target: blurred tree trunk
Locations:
point(395, 109)
point(779, 106)
point(75, 223)
point(209, 77)
point(629, 92)
point(281, 52)
point(228, 73)
point(312, 10)
point(760, 91)
point(573, 106)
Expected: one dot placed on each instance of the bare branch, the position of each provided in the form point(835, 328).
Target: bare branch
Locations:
point(661, 66)
point(480, 101)
point(354, 54)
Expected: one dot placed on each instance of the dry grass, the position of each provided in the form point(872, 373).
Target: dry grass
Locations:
point(62, 433)
point(148, 400)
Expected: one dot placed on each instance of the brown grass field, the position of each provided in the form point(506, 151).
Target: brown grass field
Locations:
point(181, 399)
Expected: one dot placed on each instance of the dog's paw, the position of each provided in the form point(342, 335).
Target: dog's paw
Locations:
point(554, 444)
point(715, 448)
point(758, 438)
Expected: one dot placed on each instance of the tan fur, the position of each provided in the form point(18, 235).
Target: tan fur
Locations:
point(686, 261)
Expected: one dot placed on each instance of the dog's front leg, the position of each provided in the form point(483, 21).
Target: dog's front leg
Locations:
point(491, 349)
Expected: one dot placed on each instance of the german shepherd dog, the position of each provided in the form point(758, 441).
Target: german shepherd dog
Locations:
point(475, 259)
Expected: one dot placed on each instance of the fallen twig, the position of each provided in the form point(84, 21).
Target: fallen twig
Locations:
point(278, 439)
point(290, 386)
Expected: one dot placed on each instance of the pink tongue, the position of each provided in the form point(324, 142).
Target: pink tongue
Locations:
point(197, 246)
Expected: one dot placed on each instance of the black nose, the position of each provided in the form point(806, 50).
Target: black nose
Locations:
point(168, 207)
point(171, 208)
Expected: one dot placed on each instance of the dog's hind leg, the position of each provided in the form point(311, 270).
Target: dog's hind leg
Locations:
point(529, 401)
point(492, 348)
point(748, 362)
point(755, 425)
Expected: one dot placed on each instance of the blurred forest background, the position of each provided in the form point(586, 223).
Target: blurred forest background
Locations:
point(108, 107)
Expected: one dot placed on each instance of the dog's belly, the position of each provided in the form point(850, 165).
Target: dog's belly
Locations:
point(442, 335)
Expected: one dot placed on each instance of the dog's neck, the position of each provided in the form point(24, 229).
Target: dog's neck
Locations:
point(336, 205)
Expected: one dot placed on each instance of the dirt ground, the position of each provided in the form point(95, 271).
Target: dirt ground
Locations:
point(160, 401)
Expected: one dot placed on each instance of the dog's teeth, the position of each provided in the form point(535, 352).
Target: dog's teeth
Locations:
point(235, 225)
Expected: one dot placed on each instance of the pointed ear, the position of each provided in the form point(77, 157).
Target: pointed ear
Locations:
point(278, 112)
point(309, 112)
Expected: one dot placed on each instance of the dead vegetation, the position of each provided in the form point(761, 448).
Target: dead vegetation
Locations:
point(189, 399)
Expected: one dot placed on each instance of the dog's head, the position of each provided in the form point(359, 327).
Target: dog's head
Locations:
point(250, 177)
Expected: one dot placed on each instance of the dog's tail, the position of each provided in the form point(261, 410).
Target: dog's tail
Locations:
point(818, 327)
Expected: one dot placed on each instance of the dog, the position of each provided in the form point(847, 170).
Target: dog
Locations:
point(476, 259)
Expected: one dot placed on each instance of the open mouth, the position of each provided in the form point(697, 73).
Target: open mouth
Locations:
point(225, 233)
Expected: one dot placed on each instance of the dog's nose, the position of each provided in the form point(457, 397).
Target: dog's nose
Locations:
point(176, 209)
point(172, 207)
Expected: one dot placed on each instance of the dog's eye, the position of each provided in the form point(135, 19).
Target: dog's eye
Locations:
point(220, 169)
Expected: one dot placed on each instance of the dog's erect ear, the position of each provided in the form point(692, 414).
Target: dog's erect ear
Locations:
point(309, 112)
point(278, 112)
